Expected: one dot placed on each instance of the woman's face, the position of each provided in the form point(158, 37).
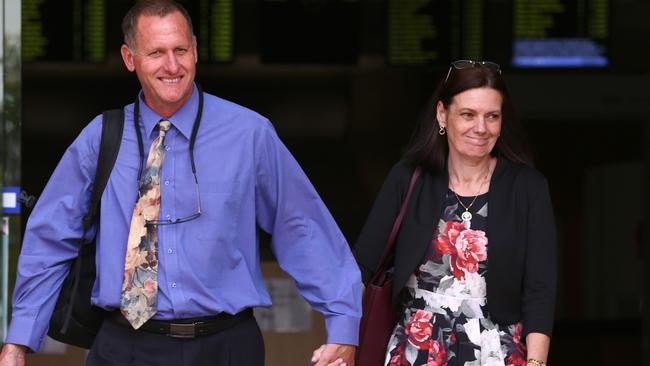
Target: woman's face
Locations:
point(473, 122)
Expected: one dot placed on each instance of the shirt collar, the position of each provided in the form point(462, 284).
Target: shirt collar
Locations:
point(183, 119)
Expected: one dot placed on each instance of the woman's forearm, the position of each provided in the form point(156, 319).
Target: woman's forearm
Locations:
point(538, 345)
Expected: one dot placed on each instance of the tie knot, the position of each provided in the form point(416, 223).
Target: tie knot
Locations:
point(164, 125)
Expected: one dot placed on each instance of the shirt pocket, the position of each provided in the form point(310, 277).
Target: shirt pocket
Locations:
point(221, 202)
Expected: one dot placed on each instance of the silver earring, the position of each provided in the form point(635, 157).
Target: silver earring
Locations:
point(442, 131)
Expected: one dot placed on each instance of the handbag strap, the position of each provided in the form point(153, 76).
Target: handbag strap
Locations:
point(396, 225)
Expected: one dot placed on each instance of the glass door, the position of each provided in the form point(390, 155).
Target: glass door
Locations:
point(10, 127)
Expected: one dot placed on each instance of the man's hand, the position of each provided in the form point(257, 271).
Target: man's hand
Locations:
point(12, 355)
point(332, 354)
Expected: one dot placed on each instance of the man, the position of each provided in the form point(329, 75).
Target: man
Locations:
point(166, 261)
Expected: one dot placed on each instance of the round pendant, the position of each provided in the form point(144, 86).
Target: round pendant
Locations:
point(466, 216)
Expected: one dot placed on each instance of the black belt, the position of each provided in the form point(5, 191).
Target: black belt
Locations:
point(187, 328)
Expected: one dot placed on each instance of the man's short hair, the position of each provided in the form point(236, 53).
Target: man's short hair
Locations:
point(158, 8)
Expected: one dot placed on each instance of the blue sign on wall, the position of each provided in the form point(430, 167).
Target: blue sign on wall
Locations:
point(10, 201)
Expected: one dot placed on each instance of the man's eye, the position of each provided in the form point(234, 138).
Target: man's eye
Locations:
point(181, 51)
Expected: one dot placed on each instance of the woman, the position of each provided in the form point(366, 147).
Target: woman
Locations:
point(477, 285)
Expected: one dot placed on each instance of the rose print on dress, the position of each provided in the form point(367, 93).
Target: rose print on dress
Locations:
point(445, 322)
point(437, 354)
point(471, 248)
point(419, 329)
point(397, 357)
point(465, 246)
point(517, 357)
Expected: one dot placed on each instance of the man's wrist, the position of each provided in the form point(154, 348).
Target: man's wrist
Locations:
point(15, 347)
point(14, 351)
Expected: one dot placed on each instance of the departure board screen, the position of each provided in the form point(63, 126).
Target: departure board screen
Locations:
point(213, 26)
point(64, 30)
point(429, 31)
point(560, 33)
point(86, 30)
point(521, 33)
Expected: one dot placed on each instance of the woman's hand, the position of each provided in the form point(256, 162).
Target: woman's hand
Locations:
point(333, 354)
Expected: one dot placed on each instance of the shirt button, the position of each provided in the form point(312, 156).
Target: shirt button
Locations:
point(174, 284)
point(166, 182)
point(170, 251)
point(168, 216)
point(167, 148)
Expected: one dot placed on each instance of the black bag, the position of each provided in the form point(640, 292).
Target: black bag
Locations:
point(74, 320)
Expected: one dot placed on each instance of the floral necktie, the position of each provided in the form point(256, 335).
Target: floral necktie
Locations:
point(140, 286)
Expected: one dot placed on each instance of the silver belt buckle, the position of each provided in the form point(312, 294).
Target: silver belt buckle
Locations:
point(184, 331)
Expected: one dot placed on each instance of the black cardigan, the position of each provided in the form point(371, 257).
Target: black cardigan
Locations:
point(522, 254)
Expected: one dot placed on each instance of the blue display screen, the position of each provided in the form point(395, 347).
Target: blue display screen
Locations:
point(558, 52)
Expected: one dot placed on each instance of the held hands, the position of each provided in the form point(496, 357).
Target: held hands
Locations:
point(332, 354)
point(12, 355)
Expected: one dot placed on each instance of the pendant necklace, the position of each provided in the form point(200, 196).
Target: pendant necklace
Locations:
point(466, 216)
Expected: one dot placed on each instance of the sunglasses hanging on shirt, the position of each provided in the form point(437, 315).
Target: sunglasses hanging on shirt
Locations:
point(195, 129)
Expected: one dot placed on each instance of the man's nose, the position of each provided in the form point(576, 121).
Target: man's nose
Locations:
point(171, 63)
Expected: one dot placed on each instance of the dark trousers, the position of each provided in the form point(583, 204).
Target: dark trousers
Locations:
point(117, 345)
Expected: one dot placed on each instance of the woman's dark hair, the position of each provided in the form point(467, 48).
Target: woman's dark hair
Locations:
point(429, 149)
point(158, 8)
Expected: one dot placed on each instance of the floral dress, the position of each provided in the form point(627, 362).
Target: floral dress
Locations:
point(445, 320)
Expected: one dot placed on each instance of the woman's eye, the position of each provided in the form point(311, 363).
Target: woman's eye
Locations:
point(494, 117)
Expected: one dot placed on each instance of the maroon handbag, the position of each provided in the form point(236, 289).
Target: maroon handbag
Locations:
point(379, 314)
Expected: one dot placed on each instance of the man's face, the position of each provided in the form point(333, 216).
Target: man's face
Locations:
point(164, 58)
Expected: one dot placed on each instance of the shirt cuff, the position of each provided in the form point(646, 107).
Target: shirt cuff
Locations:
point(25, 331)
point(342, 329)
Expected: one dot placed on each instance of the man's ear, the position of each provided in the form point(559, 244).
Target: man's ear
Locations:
point(127, 57)
point(196, 52)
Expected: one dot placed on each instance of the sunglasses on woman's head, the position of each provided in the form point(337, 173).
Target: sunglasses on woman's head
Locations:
point(468, 64)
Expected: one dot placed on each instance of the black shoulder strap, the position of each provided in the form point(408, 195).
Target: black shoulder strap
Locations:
point(112, 128)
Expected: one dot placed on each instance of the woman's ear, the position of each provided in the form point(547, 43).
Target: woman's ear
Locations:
point(441, 114)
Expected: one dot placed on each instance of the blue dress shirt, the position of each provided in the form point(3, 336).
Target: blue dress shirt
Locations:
point(247, 179)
